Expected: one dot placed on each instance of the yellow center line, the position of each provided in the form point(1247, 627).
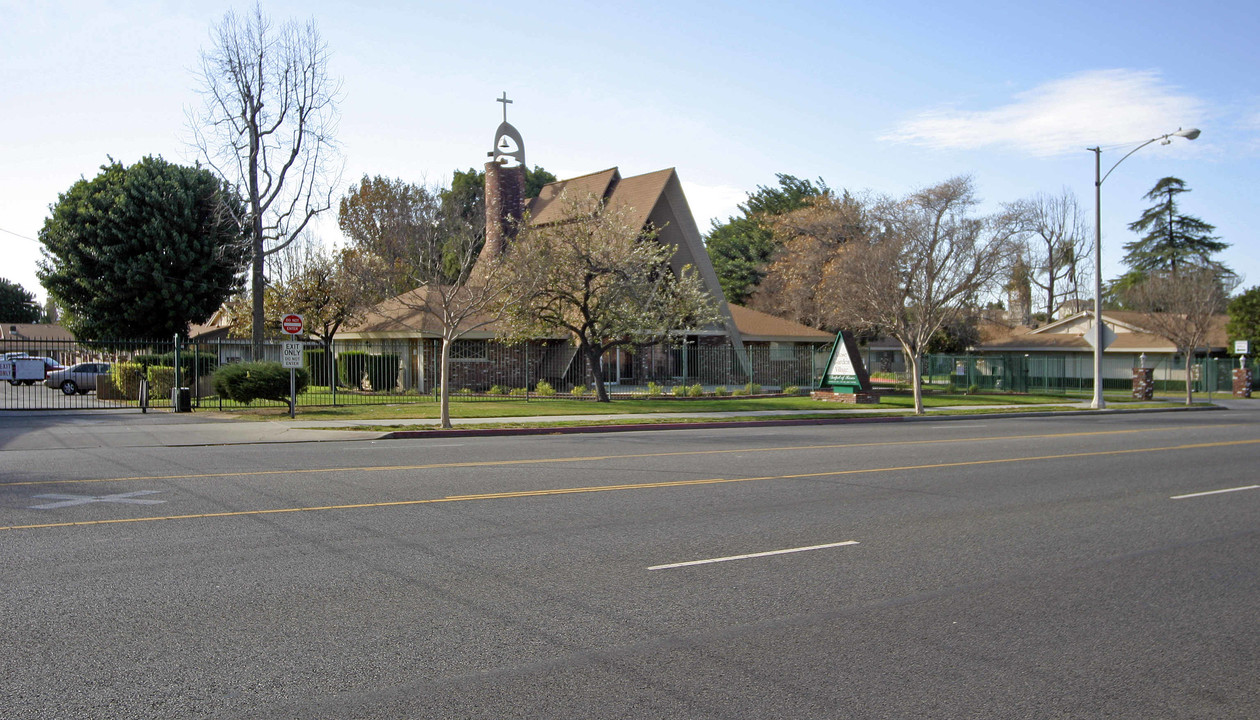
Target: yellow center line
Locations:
point(630, 486)
point(595, 458)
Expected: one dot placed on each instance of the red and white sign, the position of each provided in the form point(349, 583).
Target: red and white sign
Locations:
point(291, 324)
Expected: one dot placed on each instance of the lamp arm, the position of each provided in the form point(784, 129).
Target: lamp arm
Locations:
point(1126, 157)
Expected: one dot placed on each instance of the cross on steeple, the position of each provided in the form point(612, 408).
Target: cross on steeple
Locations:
point(505, 102)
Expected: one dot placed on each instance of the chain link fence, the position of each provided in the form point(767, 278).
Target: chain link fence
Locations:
point(1061, 374)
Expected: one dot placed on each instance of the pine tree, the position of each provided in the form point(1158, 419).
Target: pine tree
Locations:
point(1170, 240)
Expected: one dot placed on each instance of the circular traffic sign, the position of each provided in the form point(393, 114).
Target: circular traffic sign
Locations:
point(291, 324)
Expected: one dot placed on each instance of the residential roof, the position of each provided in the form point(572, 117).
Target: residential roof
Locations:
point(404, 315)
point(33, 331)
point(1133, 335)
point(401, 315)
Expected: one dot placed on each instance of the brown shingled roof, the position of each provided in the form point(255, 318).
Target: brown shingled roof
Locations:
point(404, 314)
point(639, 193)
point(756, 325)
point(1022, 339)
point(34, 331)
point(544, 209)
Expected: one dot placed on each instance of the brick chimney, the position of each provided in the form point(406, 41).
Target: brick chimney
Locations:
point(505, 205)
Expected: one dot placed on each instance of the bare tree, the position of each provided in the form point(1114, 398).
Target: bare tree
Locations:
point(410, 238)
point(266, 126)
point(808, 239)
point(1056, 246)
point(323, 286)
point(399, 221)
point(605, 281)
point(926, 266)
point(1183, 307)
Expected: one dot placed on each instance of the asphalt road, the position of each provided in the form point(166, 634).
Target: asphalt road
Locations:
point(973, 568)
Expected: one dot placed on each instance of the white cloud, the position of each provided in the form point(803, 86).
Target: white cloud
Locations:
point(1099, 107)
point(712, 202)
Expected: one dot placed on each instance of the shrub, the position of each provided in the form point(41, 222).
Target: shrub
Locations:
point(654, 390)
point(951, 388)
point(351, 365)
point(578, 391)
point(544, 388)
point(249, 381)
point(752, 389)
point(161, 380)
point(792, 390)
point(126, 378)
point(147, 359)
point(464, 391)
point(518, 392)
point(380, 371)
point(497, 390)
point(315, 360)
point(696, 390)
point(973, 390)
point(190, 363)
point(721, 391)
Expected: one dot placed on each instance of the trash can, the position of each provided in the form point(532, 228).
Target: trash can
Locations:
point(181, 399)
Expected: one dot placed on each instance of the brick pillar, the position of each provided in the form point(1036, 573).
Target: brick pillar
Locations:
point(1143, 383)
point(505, 206)
point(1242, 382)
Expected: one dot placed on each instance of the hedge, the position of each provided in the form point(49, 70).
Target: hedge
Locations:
point(316, 363)
point(126, 378)
point(204, 362)
point(161, 381)
point(249, 381)
point(381, 370)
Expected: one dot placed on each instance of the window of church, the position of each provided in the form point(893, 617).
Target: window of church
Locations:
point(470, 351)
point(782, 351)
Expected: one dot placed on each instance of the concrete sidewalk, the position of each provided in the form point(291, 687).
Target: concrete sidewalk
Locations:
point(43, 430)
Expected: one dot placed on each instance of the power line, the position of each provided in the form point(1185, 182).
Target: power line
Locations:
point(19, 235)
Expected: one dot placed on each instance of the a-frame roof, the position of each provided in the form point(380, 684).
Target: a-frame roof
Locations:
point(639, 193)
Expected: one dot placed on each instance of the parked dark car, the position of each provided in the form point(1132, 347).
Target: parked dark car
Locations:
point(78, 379)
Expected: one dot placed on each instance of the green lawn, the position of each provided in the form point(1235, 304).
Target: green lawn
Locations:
point(552, 407)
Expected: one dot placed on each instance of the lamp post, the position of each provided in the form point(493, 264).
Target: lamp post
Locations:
point(1190, 134)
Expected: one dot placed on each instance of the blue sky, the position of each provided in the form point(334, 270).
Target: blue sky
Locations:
point(886, 97)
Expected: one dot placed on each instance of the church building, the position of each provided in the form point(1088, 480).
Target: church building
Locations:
point(747, 346)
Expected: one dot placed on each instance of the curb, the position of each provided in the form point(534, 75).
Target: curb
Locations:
point(786, 422)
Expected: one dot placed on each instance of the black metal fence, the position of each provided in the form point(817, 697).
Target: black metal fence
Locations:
point(106, 375)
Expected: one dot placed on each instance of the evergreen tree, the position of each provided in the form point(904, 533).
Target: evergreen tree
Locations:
point(1170, 240)
point(1244, 318)
point(140, 252)
point(741, 247)
point(17, 304)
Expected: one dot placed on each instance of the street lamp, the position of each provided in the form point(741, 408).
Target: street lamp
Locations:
point(1190, 134)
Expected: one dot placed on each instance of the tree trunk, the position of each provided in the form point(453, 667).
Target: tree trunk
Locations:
point(1189, 391)
point(444, 395)
point(592, 362)
point(257, 288)
point(916, 382)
